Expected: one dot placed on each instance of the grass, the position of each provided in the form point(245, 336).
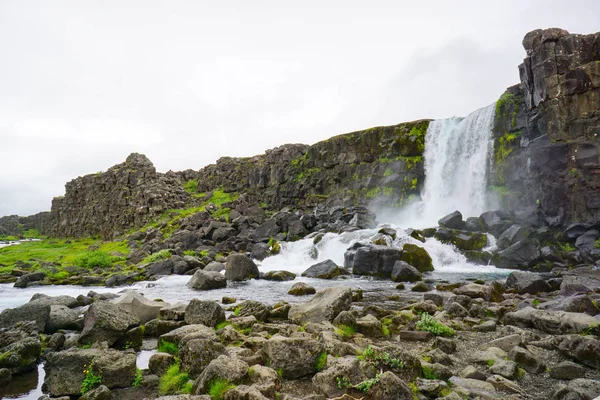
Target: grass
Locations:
point(96, 258)
point(429, 324)
point(173, 381)
point(137, 381)
point(161, 255)
point(168, 347)
point(321, 362)
point(191, 186)
point(218, 387)
point(345, 331)
point(64, 252)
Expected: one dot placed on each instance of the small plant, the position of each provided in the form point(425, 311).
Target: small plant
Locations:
point(429, 324)
point(91, 379)
point(173, 380)
point(137, 381)
point(168, 347)
point(535, 302)
point(191, 253)
point(345, 331)
point(343, 382)
point(96, 258)
point(566, 247)
point(191, 186)
point(161, 255)
point(237, 310)
point(222, 325)
point(218, 387)
point(279, 372)
point(491, 363)
point(321, 362)
point(380, 359)
point(366, 385)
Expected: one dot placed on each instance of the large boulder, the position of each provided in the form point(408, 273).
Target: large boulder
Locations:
point(417, 256)
point(462, 240)
point(64, 369)
point(106, 322)
point(301, 289)
point(404, 272)
point(512, 235)
point(323, 306)
point(21, 355)
point(453, 221)
point(136, 304)
point(225, 367)
point(62, 317)
point(584, 349)
point(279, 276)
point(196, 331)
point(205, 312)
point(295, 357)
point(324, 270)
point(553, 322)
point(527, 282)
point(207, 280)
point(519, 255)
point(326, 382)
point(196, 354)
point(372, 260)
point(240, 268)
point(27, 279)
point(253, 308)
point(37, 311)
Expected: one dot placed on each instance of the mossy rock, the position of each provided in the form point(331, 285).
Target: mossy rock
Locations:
point(418, 257)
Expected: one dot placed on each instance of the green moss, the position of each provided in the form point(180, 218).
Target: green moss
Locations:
point(388, 191)
point(508, 103)
point(191, 186)
point(168, 347)
point(428, 372)
point(161, 255)
point(371, 194)
point(413, 183)
point(345, 332)
point(321, 362)
point(388, 172)
point(221, 213)
point(503, 147)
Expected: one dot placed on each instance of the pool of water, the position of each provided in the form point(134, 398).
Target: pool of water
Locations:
point(27, 386)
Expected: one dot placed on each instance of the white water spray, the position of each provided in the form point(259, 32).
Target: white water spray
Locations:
point(457, 153)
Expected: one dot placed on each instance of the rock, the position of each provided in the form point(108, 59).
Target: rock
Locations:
point(473, 387)
point(585, 242)
point(232, 369)
point(504, 385)
point(214, 266)
point(576, 229)
point(67, 301)
point(390, 387)
point(176, 336)
point(279, 276)
point(526, 360)
point(62, 317)
point(456, 310)
point(326, 382)
point(581, 388)
point(584, 349)
point(173, 312)
point(265, 379)
point(324, 306)
point(372, 260)
point(435, 371)
point(5, 377)
point(527, 282)
point(452, 221)
point(240, 268)
point(581, 304)
point(522, 254)
point(207, 280)
point(37, 311)
point(504, 368)
point(64, 369)
point(243, 392)
point(196, 354)
point(506, 343)
point(21, 355)
point(106, 322)
point(469, 242)
point(369, 326)
point(470, 372)
point(56, 341)
point(324, 270)
point(160, 362)
point(417, 256)
point(421, 287)
point(512, 235)
point(136, 304)
point(205, 312)
point(476, 291)
point(296, 357)
point(27, 279)
point(432, 387)
point(99, 393)
point(301, 289)
point(554, 322)
point(448, 346)
point(415, 336)
point(121, 279)
point(567, 370)
point(404, 272)
point(253, 308)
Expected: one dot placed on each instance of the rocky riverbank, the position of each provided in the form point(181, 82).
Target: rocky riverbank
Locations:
point(531, 337)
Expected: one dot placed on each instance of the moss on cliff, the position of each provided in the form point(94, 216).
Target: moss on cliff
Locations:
point(503, 147)
point(507, 108)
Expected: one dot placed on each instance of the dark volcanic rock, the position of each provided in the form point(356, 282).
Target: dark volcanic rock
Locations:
point(324, 270)
point(372, 260)
point(527, 282)
point(240, 268)
point(453, 221)
point(207, 280)
point(404, 272)
point(106, 322)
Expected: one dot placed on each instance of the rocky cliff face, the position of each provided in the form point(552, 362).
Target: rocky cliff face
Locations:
point(14, 225)
point(547, 130)
point(383, 165)
point(108, 204)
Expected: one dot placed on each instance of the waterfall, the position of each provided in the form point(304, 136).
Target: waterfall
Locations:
point(457, 153)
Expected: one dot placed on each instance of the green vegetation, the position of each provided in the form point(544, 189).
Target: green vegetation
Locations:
point(237, 310)
point(566, 247)
point(173, 381)
point(218, 387)
point(191, 186)
point(491, 363)
point(366, 385)
point(91, 379)
point(346, 332)
point(222, 213)
point(161, 255)
point(428, 372)
point(321, 362)
point(137, 381)
point(371, 194)
point(168, 347)
point(380, 359)
point(429, 324)
point(503, 146)
point(535, 302)
point(508, 103)
point(96, 259)
point(388, 172)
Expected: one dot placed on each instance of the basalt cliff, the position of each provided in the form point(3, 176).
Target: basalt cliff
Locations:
point(546, 163)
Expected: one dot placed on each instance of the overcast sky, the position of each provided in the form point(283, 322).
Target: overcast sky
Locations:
point(85, 83)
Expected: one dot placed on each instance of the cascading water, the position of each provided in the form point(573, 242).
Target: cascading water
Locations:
point(457, 153)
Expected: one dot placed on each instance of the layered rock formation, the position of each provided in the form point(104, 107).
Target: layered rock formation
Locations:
point(14, 225)
point(383, 164)
point(108, 204)
point(547, 130)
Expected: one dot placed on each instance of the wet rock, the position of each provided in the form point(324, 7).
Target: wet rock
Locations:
point(207, 280)
point(462, 240)
point(28, 279)
point(5, 377)
point(417, 256)
point(323, 306)
point(240, 268)
point(296, 357)
point(37, 311)
point(452, 221)
point(205, 312)
point(106, 322)
point(372, 260)
point(279, 276)
point(527, 282)
point(567, 370)
point(324, 270)
point(232, 369)
point(21, 355)
point(160, 362)
point(301, 289)
point(64, 369)
point(519, 255)
point(421, 287)
point(404, 272)
point(136, 304)
point(585, 242)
